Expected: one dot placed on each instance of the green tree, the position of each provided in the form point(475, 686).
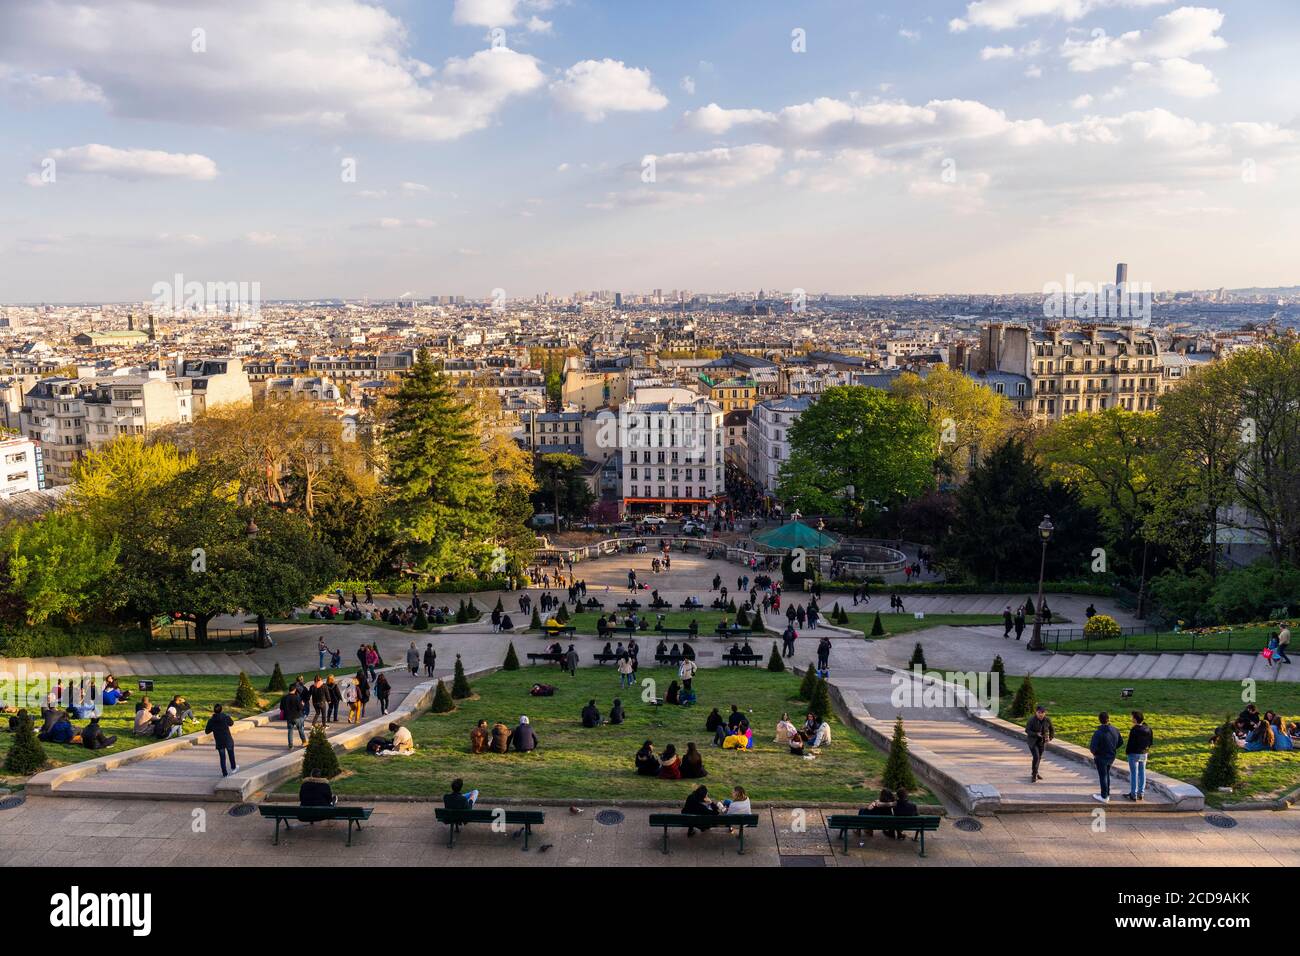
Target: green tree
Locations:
point(438, 480)
point(318, 757)
point(809, 683)
point(460, 688)
point(277, 679)
point(512, 659)
point(26, 755)
point(1026, 699)
point(966, 418)
point(877, 628)
point(1000, 670)
point(442, 701)
point(58, 566)
point(774, 663)
point(1221, 769)
point(820, 703)
point(855, 451)
point(562, 483)
point(245, 697)
point(898, 767)
point(756, 624)
point(918, 657)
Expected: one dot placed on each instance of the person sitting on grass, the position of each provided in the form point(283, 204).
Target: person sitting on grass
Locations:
point(693, 764)
point(647, 764)
point(673, 694)
point(500, 738)
point(145, 717)
point(58, 730)
point(479, 738)
point(784, 730)
point(113, 693)
point(616, 715)
point(1282, 731)
point(821, 735)
point(796, 744)
point(742, 738)
point(457, 800)
point(590, 715)
point(315, 791)
point(183, 710)
point(403, 742)
point(93, 737)
point(542, 690)
point(713, 722)
point(169, 725)
point(1260, 738)
point(670, 766)
point(699, 804)
point(522, 738)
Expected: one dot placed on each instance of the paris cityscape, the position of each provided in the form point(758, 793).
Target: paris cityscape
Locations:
point(571, 434)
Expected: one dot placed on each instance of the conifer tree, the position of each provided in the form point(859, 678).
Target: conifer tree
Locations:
point(245, 696)
point(512, 659)
point(1221, 769)
point(809, 682)
point(318, 757)
point(775, 663)
point(277, 679)
point(820, 703)
point(1023, 704)
point(26, 755)
point(898, 769)
point(877, 628)
point(918, 658)
point(442, 702)
point(460, 688)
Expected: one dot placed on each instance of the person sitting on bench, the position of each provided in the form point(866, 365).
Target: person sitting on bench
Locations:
point(522, 738)
point(607, 651)
point(746, 650)
point(590, 715)
point(661, 649)
point(735, 649)
point(881, 807)
point(647, 764)
point(699, 804)
point(92, 737)
point(456, 800)
point(675, 655)
point(315, 791)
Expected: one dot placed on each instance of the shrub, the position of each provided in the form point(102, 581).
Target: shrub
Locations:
point(500, 608)
point(460, 688)
point(26, 755)
point(319, 755)
point(245, 696)
point(809, 682)
point(1023, 704)
point(742, 618)
point(442, 702)
point(1221, 769)
point(421, 622)
point(898, 769)
point(277, 679)
point(918, 658)
point(756, 623)
point(877, 628)
point(512, 659)
point(536, 623)
point(462, 613)
point(562, 615)
point(1100, 627)
point(820, 702)
point(999, 669)
point(774, 663)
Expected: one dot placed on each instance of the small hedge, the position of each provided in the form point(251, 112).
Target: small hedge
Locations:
point(898, 768)
point(1017, 587)
point(512, 659)
point(460, 688)
point(1100, 627)
point(277, 679)
point(319, 755)
point(809, 682)
point(1026, 699)
point(774, 663)
point(245, 697)
point(26, 755)
point(442, 702)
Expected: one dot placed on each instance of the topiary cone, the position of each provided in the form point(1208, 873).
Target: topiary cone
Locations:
point(809, 683)
point(1023, 704)
point(442, 702)
point(774, 663)
point(512, 659)
point(898, 769)
point(319, 755)
point(820, 702)
point(245, 697)
point(460, 688)
point(277, 679)
point(26, 756)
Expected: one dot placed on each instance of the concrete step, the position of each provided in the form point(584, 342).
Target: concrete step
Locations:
point(1052, 666)
point(1075, 665)
point(1141, 666)
point(1163, 667)
point(1237, 667)
point(1213, 667)
point(1187, 666)
point(1119, 665)
point(1096, 666)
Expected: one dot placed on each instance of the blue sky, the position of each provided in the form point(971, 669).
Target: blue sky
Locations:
point(940, 146)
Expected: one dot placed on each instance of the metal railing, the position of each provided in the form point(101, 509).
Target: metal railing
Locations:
point(1152, 640)
point(216, 635)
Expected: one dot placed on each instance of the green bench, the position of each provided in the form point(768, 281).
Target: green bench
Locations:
point(700, 821)
point(882, 821)
point(283, 813)
point(455, 819)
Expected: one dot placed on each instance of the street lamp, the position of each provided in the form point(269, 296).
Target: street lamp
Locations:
point(1045, 535)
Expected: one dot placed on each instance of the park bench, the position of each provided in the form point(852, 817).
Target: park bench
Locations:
point(691, 631)
point(283, 813)
point(881, 821)
point(630, 605)
point(661, 605)
point(593, 604)
point(737, 659)
point(455, 819)
point(546, 658)
point(732, 630)
point(696, 821)
point(605, 658)
point(720, 605)
point(557, 631)
point(687, 606)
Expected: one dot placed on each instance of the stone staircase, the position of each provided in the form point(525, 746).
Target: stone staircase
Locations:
point(1207, 666)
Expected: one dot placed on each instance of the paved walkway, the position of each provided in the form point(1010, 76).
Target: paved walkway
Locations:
point(77, 833)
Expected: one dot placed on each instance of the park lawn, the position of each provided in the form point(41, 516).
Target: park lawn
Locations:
point(896, 624)
point(575, 763)
point(707, 621)
point(201, 690)
point(1182, 714)
point(1244, 640)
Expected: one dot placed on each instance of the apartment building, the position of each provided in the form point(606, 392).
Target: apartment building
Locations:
point(767, 443)
point(733, 394)
point(672, 453)
point(549, 432)
point(315, 389)
point(23, 467)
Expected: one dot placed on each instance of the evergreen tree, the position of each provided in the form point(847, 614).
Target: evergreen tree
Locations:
point(245, 696)
point(536, 623)
point(877, 628)
point(318, 757)
point(277, 679)
point(1023, 704)
point(898, 769)
point(775, 663)
point(462, 613)
point(999, 669)
point(918, 658)
point(820, 703)
point(421, 622)
point(500, 608)
point(512, 659)
point(756, 623)
point(26, 755)
point(1221, 769)
point(562, 615)
point(439, 483)
point(731, 606)
point(460, 688)
point(742, 618)
point(809, 682)
point(442, 702)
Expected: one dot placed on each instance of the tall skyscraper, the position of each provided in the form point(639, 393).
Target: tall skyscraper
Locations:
point(1121, 274)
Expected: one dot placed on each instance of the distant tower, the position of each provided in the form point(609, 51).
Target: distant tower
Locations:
point(130, 322)
point(151, 332)
point(1121, 274)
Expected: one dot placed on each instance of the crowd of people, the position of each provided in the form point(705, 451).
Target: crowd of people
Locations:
point(1253, 731)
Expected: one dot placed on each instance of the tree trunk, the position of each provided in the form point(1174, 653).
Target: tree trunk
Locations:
point(201, 627)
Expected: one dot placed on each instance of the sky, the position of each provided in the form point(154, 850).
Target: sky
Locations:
point(344, 148)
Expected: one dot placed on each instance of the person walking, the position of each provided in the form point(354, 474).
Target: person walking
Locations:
point(320, 701)
point(321, 650)
point(1020, 622)
point(335, 698)
point(1139, 743)
point(687, 673)
point(219, 725)
point(1283, 639)
point(1038, 732)
point(571, 661)
point(291, 707)
point(1104, 745)
point(430, 659)
point(824, 654)
point(787, 640)
point(625, 670)
point(382, 690)
point(1008, 622)
point(413, 659)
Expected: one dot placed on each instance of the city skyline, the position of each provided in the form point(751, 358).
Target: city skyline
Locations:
point(940, 148)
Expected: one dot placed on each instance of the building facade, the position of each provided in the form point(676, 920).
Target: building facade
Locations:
point(768, 439)
point(672, 455)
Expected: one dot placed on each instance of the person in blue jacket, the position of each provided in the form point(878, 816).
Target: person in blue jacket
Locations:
point(1104, 745)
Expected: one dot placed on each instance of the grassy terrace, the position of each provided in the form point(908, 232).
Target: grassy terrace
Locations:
point(1182, 714)
point(202, 691)
point(896, 624)
point(1241, 640)
point(573, 762)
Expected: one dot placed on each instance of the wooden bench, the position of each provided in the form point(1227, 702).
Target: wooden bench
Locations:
point(455, 819)
point(732, 630)
point(882, 821)
point(546, 658)
point(699, 821)
point(691, 607)
point(737, 659)
point(283, 812)
point(661, 606)
point(557, 631)
point(605, 658)
point(691, 631)
point(630, 605)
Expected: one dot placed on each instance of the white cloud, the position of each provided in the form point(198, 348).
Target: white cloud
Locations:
point(724, 167)
point(67, 87)
point(1033, 71)
point(536, 24)
point(1082, 102)
point(485, 13)
point(909, 34)
point(1178, 76)
point(332, 65)
point(1181, 33)
point(412, 188)
point(1008, 14)
point(998, 53)
point(688, 85)
point(597, 87)
point(391, 222)
point(260, 238)
point(132, 164)
point(715, 120)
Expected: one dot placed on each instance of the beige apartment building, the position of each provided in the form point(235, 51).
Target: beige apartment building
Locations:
point(1084, 368)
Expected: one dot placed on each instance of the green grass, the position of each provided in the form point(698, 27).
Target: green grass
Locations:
point(573, 762)
point(1244, 640)
point(201, 690)
point(896, 624)
point(1182, 714)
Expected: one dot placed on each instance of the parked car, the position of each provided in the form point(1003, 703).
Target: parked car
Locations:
point(655, 520)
